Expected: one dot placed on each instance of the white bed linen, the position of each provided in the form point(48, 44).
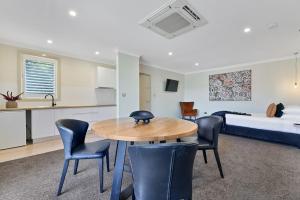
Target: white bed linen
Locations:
point(260, 121)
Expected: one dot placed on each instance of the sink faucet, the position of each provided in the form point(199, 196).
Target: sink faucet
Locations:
point(53, 102)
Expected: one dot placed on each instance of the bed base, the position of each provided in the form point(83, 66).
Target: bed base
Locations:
point(265, 135)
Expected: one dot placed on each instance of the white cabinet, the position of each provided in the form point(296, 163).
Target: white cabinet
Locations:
point(84, 114)
point(102, 113)
point(89, 115)
point(43, 121)
point(106, 77)
point(12, 129)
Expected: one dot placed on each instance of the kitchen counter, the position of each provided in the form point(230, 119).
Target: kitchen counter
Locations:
point(55, 107)
point(37, 123)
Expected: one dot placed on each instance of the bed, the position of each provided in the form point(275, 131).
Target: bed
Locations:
point(258, 126)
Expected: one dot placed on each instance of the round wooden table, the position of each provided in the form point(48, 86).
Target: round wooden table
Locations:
point(125, 129)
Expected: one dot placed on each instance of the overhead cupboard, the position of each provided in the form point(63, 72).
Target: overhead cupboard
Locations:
point(43, 120)
point(106, 78)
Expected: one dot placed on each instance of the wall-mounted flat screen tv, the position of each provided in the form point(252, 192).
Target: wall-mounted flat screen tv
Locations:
point(171, 85)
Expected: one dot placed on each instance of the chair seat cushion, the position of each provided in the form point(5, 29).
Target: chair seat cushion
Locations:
point(202, 143)
point(91, 150)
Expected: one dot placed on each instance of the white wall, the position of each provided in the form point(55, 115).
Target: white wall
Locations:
point(271, 82)
point(127, 84)
point(164, 103)
point(78, 80)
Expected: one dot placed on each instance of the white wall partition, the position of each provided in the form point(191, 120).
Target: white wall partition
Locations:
point(271, 82)
point(127, 84)
point(163, 103)
point(77, 79)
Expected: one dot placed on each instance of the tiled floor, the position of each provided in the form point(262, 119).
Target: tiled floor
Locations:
point(37, 148)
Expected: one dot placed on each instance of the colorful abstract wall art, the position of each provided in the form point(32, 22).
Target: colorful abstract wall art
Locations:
point(232, 86)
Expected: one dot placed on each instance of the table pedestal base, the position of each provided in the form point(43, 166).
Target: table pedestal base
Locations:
point(116, 193)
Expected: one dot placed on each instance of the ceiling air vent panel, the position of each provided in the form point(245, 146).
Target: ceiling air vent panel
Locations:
point(172, 23)
point(174, 18)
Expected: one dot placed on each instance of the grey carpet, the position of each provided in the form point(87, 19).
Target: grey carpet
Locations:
point(253, 170)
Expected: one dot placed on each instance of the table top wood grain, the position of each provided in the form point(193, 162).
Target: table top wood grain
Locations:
point(158, 129)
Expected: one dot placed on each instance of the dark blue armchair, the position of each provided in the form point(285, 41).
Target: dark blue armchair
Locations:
point(209, 128)
point(162, 171)
point(73, 134)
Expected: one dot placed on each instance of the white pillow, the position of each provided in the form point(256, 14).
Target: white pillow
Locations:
point(292, 110)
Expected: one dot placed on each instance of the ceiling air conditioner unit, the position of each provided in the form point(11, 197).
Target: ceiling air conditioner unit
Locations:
point(174, 18)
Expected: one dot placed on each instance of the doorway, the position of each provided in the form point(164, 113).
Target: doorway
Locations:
point(145, 92)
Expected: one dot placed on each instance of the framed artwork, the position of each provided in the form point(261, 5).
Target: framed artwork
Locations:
point(232, 86)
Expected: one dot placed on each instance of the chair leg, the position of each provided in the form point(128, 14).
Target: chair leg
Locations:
point(63, 175)
point(76, 166)
point(107, 160)
point(218, 162)
point(178, 140)
point(116, 153)
point(101, 174)
point(204, 156)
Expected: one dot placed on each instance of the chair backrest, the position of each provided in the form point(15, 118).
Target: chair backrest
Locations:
point(162, 171)
point(186, 106)
point(209, 128)
point(72, 133)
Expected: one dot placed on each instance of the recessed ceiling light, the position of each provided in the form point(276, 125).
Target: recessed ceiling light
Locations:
point(247, 30)
point(44, 55)
point(196, 64)
point(72, 13)
point(49, 41)
point(170, 53)
point(97, 52)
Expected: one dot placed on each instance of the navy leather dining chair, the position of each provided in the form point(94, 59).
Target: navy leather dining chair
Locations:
point(209, 128)
point(73, 134)
point(162, 171)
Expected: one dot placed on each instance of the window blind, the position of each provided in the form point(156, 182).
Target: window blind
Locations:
point(39, 77)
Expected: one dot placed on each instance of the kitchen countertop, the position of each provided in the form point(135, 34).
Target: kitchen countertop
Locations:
point(55, 107)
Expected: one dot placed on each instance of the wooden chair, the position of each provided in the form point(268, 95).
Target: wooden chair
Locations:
point(187, 110)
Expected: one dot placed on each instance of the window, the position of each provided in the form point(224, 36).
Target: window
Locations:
point(39, 77)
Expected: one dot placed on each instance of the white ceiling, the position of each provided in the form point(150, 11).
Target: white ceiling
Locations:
point(111, 25)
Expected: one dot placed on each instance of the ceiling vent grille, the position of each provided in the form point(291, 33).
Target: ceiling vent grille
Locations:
point(174, 18)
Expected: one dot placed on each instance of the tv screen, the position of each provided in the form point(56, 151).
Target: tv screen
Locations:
point(171, 85)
